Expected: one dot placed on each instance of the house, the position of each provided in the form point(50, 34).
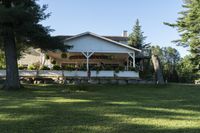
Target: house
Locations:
point(89, 51)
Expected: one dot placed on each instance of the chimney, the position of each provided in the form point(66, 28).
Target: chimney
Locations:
point(125, 33)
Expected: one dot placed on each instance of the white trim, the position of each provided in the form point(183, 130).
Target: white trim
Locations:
point(106, 39)
point(106, 52)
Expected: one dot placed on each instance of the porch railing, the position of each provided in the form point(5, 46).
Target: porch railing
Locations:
point(74, 74)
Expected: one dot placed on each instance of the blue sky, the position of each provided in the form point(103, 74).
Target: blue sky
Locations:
point(111, 17)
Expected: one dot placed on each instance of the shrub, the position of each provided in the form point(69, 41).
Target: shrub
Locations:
point(68, 68)
point(56, 67)
point(53, 62)
point(44, 68)
point(133, 69)
point(21, 67)
point(32, 67)
point(119, 68)
point(83, 68)
point(108, 68)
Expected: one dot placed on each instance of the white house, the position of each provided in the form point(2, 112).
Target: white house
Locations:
point(91, 51)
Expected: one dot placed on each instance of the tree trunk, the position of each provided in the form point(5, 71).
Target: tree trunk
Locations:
point(12, 74)
point(158, 69)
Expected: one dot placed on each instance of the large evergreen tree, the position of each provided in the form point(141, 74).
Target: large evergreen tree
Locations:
point(20, 27)
point(136, 38)
point(188, 25)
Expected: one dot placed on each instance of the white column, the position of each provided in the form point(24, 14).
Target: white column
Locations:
point(132, 55)
point(127, 64)
point(87, 55)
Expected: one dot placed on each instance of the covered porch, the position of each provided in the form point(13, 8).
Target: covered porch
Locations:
point(92, 60)
point(91, 52)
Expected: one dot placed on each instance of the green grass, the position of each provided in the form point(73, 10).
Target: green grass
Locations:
point(102, 108)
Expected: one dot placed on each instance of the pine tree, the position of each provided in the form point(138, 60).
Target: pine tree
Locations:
point(188, 25)
point(20, 27)
point(136, 38)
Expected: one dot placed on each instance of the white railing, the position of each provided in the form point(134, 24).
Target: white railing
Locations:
point(74, 74)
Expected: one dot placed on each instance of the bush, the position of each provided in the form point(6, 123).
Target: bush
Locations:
point(21, 67)
point(108, 68)
point(53, 62)
point(82, 68)
point(133, 69)
point(68, 68)
point(32, 67)
point(119, 68)
point(56, 67)
point(96, 68)
point(44, 68)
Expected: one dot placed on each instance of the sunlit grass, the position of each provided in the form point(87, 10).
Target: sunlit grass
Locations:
point(101, 108)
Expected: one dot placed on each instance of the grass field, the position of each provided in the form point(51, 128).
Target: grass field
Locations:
point(102, 108)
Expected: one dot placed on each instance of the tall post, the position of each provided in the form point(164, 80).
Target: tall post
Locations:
point(87, 55)
point(127, 63)
point(87, 63)
point(132, 55)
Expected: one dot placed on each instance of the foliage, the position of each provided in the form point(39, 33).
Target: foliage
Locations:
point(133, 69)
point(2, 60)
point(188, 25)
point(118, 69)
point(44, 68)
point(136, 38)
point(169, 58)
point(24, 16)
point(35, 66)
point(53, 62)
point(185, 70)
point(32, 67)
point(21, 67)
point(68, 68)
point(56, 67)
point(82, 68)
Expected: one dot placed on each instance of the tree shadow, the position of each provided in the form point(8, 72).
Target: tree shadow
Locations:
point(104, 108)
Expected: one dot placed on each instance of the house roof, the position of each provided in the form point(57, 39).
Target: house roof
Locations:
point(112, 39)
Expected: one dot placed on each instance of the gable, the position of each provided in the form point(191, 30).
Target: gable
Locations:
point(90, 43)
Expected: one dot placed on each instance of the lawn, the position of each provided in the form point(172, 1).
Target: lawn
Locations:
point(101, 109)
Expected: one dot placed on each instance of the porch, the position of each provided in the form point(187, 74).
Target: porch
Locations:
point(96, 53)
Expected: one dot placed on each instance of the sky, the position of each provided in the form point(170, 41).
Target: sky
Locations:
point(111, 17)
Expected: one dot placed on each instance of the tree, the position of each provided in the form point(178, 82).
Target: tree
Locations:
point(169, 58)
point(20, 27)
point(2, 60)
point(158, 69)
point(185, 69)
point(188, 25)
point(136, 38)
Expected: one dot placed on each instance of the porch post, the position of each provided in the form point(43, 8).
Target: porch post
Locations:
point(132, 55)
point(127, 64)
point(87, 55)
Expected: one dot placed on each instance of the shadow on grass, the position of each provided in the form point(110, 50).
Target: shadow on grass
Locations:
point(102, 108)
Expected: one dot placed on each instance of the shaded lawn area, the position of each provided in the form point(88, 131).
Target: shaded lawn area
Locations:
point(101, 108)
